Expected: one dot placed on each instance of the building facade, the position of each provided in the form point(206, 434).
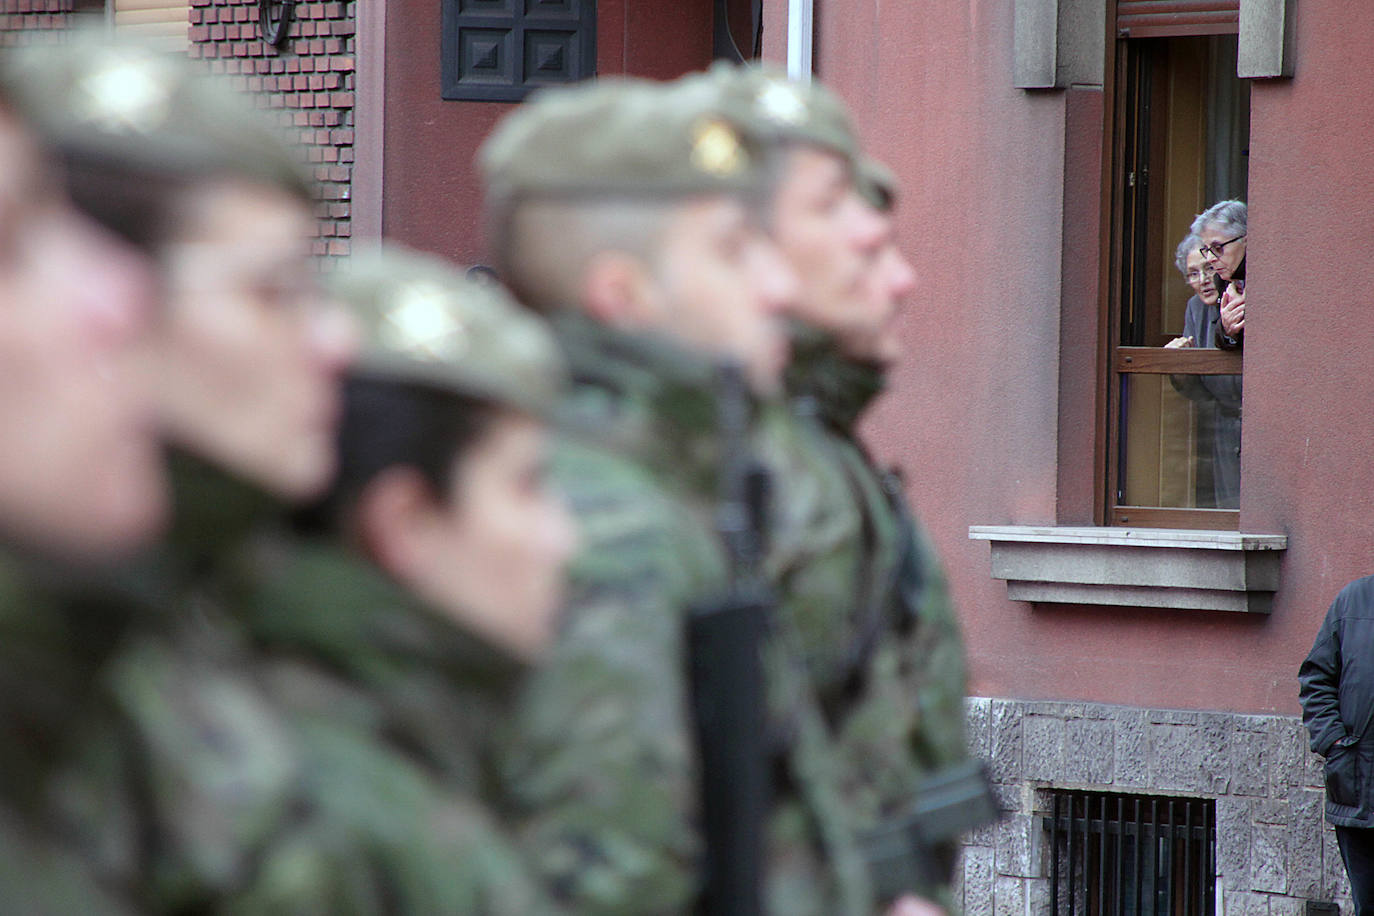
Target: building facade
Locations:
point(1124, 645)
point(1133, 647)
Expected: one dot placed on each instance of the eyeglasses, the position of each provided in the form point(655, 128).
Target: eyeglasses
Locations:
point(1214, 251)
point(1197, 276)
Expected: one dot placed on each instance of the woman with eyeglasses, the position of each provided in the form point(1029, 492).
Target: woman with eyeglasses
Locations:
point(1222, 229)
point(1217, 396)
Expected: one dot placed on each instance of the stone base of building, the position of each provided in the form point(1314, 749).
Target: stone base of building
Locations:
point(1274, 850)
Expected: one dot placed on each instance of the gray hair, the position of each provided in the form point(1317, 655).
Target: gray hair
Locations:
point(1228, 217)
point(1186, 247)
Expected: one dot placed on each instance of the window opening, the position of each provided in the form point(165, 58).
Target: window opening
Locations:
point(1180, 144)
point(1113, 854)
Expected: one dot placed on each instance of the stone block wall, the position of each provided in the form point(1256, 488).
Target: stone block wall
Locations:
point(1274, 849)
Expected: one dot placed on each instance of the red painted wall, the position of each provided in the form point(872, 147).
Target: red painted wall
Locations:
point(987, 413)
point(431, 196)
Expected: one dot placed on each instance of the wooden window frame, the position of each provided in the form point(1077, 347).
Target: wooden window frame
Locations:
point(1122, 360)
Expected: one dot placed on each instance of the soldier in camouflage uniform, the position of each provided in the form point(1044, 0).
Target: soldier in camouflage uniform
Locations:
point(251, 743)
point(81, 477)
point(415, 655)
point(176, 770)
point(858, 576)
point(80, 482)
point(623, 210)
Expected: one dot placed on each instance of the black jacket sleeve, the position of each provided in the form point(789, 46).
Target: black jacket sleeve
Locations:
point(1319, 679)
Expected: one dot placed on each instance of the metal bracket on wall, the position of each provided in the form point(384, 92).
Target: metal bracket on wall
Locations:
point(275, 33)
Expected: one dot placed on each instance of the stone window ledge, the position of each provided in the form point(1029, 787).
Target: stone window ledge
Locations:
point(1136, 567)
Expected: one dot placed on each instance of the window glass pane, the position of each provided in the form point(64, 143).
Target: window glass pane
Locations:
point(1183, 133)
point(1181, 441)
point(1187, 124)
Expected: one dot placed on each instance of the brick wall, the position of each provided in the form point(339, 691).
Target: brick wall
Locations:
point(20, 19)
point(308, 86)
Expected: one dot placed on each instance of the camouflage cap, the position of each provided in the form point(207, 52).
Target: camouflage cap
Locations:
point(618, 136)
point(775, 110)
point(125, 104)
point(424, 321)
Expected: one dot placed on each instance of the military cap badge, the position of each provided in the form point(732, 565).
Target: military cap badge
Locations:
point(124, 95)
point(421, 322)
point(781, 103)
point(717, 149)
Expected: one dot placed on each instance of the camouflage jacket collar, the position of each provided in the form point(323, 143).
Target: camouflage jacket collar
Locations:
point(318, 599)
point(838, 388)
point(213, 511)
point(639, 393)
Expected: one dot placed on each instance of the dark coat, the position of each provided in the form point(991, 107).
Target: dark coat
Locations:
point(1218, 400)
point(1336, 687)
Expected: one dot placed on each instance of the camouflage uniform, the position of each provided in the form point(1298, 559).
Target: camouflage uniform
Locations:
point(603, 765)
point(262, 726)
point(889, 663)
point(858, 578)
point(48, 667)
point(229, 762)
point(604, 761)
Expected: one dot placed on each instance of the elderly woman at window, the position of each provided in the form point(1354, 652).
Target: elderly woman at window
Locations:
point(1217, 396)
point(1222, 229)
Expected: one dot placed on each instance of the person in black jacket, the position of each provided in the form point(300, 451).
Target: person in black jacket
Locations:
point(1336, 687)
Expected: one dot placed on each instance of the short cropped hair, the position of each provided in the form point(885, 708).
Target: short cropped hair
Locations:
point(542, 248)
point(1228, 216)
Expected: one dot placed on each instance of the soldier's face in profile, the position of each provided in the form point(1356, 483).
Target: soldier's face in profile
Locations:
point(250, 354)
point(833, 239)
point(492, 553)
point(81, 469)
point(724, 287)
point(890, 282)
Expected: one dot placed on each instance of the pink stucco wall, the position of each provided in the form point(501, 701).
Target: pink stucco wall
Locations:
point(432, 196)
point(987, 414)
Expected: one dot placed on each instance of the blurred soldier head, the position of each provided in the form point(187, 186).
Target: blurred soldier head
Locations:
point(80, 470)
point(638, 204)
point(247, 351)
point(872, 335)
point(441, 468)
point(830, 205)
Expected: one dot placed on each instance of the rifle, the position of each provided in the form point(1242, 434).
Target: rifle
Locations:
point(725, 640)
point(906, 851)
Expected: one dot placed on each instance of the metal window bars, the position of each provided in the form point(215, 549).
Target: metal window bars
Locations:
point(1116, 854)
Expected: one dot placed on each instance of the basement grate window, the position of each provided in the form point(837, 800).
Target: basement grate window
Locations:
point(1115, 854)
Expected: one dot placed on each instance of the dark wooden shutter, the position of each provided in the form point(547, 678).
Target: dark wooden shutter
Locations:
point(1169, 18)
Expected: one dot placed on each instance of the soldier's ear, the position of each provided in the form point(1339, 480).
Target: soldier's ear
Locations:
point(395, 516)
point(617, 289)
